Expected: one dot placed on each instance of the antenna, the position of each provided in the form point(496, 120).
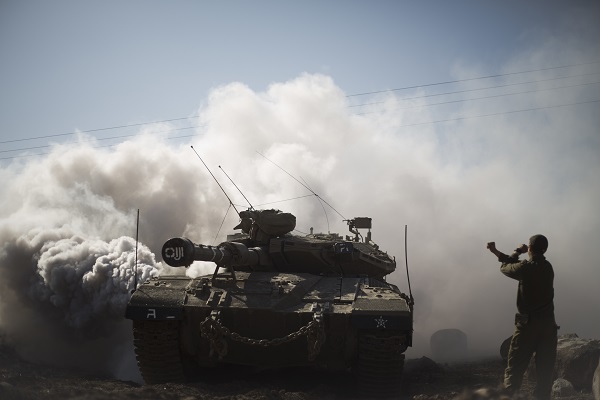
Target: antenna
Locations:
point(236, 186)
point(230, 202)
point(322, 206)
point(412, 299)
point(222, 222)
point(137, 232)
point(293, 177)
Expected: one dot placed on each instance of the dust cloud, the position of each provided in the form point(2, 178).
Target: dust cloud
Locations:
point(459, 174)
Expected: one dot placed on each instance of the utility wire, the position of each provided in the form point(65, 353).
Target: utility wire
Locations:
point(480, 89)
point(360, 113)
point(467, 79)
point(359, 94)
point(499, 113)
point(93, 147)
point(348, 96)
point(483, 97)
point(101, 139)
point(92, 130)
point(400, 126)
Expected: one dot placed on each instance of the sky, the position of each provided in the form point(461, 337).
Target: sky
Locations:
point(466, 121)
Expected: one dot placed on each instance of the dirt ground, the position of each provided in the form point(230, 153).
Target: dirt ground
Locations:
point(422, 380)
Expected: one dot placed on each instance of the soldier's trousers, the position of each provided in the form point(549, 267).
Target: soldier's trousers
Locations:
point(533, 335)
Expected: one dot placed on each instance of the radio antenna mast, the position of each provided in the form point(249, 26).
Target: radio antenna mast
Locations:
point(224, 192)
point(309, 189)
point(236, 186)
point(412, 299)
point(321, 203)
point(137, 234)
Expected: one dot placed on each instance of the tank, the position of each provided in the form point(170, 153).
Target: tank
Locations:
point(276, 300)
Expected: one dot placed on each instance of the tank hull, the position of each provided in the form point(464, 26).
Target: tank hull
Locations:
point(271, 319)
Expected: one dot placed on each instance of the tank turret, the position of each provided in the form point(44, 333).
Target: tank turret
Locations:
point(315, 253)
point(274, 300)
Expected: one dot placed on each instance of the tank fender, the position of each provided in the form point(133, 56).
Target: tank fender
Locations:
point(159, 300)
point(381, 308)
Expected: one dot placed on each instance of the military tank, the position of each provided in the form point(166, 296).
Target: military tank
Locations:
point(276, 300)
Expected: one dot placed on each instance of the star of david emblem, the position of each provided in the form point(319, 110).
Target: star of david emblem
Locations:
point(380, 322)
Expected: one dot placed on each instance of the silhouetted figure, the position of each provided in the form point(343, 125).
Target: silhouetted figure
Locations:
point(535, 326)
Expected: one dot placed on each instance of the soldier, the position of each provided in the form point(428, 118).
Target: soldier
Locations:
point(535, 326)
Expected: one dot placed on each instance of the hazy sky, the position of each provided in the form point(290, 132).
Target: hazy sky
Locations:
point(92, 64)
point(494, 135)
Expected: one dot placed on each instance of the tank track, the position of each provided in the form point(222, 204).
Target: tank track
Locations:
point(157, 351)
point(380, 363)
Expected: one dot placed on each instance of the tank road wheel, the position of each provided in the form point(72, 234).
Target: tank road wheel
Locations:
point(157, 351)
point(380, 363)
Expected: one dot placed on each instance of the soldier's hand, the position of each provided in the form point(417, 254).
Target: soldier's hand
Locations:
point(522, 248)
point(491, 246)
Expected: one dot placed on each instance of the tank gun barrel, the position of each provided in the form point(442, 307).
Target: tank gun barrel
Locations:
point(182, 252)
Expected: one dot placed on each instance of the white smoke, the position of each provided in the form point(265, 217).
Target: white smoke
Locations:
point(88, 278)
point(67, 253)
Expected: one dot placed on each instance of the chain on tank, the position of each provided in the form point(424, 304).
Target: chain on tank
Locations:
point(215, 332)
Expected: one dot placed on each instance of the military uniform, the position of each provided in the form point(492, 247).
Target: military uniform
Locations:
point(535, 326)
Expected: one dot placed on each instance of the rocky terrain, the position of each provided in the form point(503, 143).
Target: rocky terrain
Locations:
point(423, 380)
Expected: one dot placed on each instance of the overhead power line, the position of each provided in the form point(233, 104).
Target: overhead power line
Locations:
point(484, 88)
point(348, 96)
point(500, 113)
point(93, 130)
point(486, 97)
point(99, 139)
point(399, 126)
point(467, 79)
point(93, 147)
